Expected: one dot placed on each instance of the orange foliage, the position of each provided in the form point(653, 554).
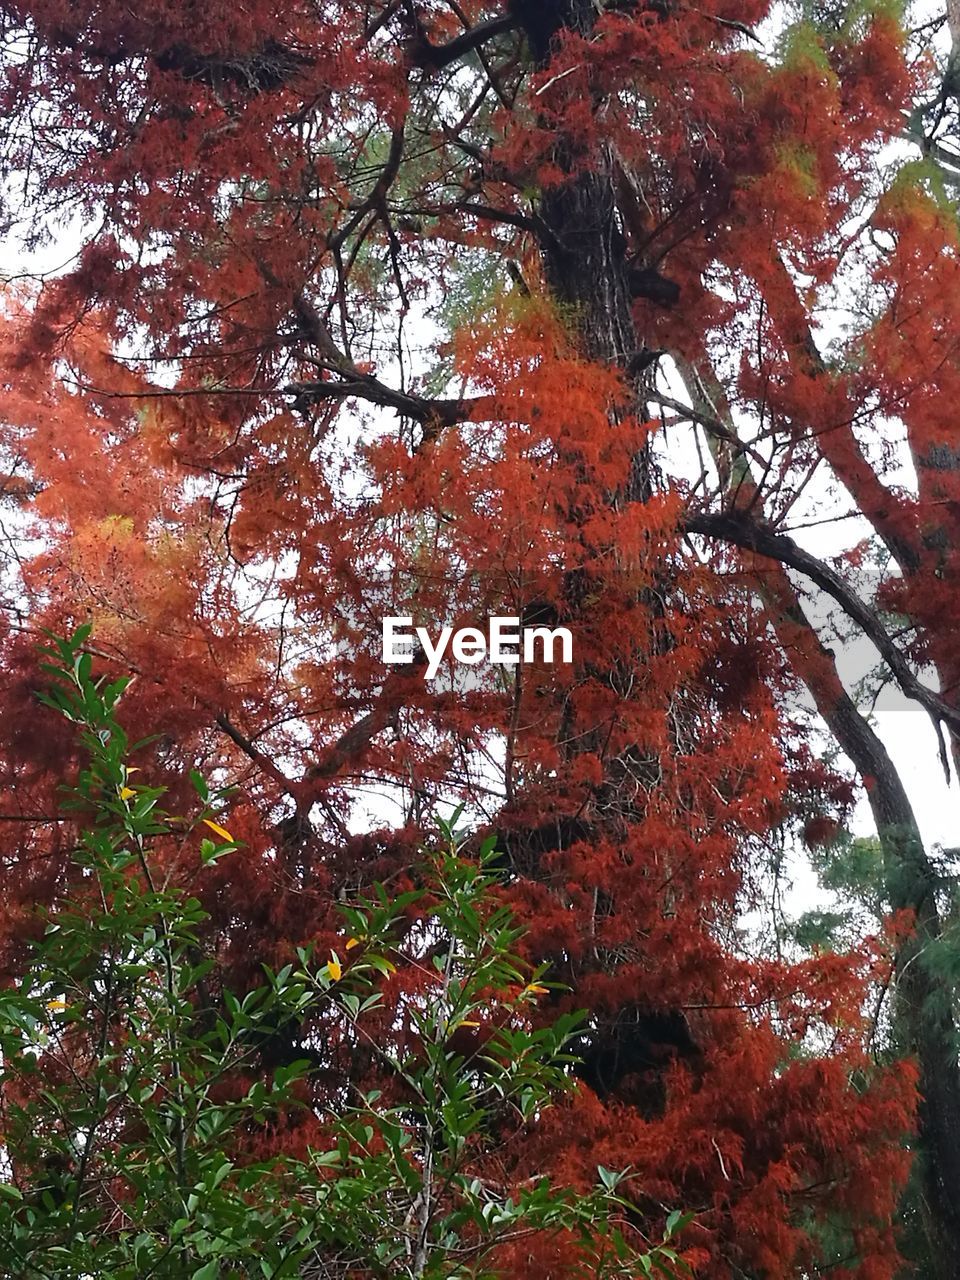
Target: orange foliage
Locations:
point(235, 507)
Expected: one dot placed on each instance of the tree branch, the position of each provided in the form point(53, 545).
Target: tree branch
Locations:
point(764, 541)
point(437, 56)
point(263, 762)
point(434, 414)
point(712, 425)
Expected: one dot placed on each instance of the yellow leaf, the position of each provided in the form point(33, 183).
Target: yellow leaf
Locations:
point(57, 1004)
point(465, 1023)
point(352, 942)
point(216, 828)
point(535, 989)
point(126, 793)
point(334, 969)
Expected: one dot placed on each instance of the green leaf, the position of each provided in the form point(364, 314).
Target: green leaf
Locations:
point(125, 948)
point(676, 1222)
point(200, 785)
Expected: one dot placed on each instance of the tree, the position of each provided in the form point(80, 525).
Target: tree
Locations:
point(133, 1112)
point(545, 199)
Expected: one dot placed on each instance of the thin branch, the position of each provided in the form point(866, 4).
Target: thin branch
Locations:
point(711, 424)
point(259, 759)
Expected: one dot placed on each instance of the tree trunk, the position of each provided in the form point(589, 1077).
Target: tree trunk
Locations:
point(923, 1000)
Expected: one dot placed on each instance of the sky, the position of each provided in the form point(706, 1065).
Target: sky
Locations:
point(910, 739)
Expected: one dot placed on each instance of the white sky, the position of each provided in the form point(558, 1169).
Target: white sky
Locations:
point(909, 737)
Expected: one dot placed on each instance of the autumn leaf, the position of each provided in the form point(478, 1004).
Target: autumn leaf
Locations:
point(217, 830)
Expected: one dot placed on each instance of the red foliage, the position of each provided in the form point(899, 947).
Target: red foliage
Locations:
point(272, 186)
